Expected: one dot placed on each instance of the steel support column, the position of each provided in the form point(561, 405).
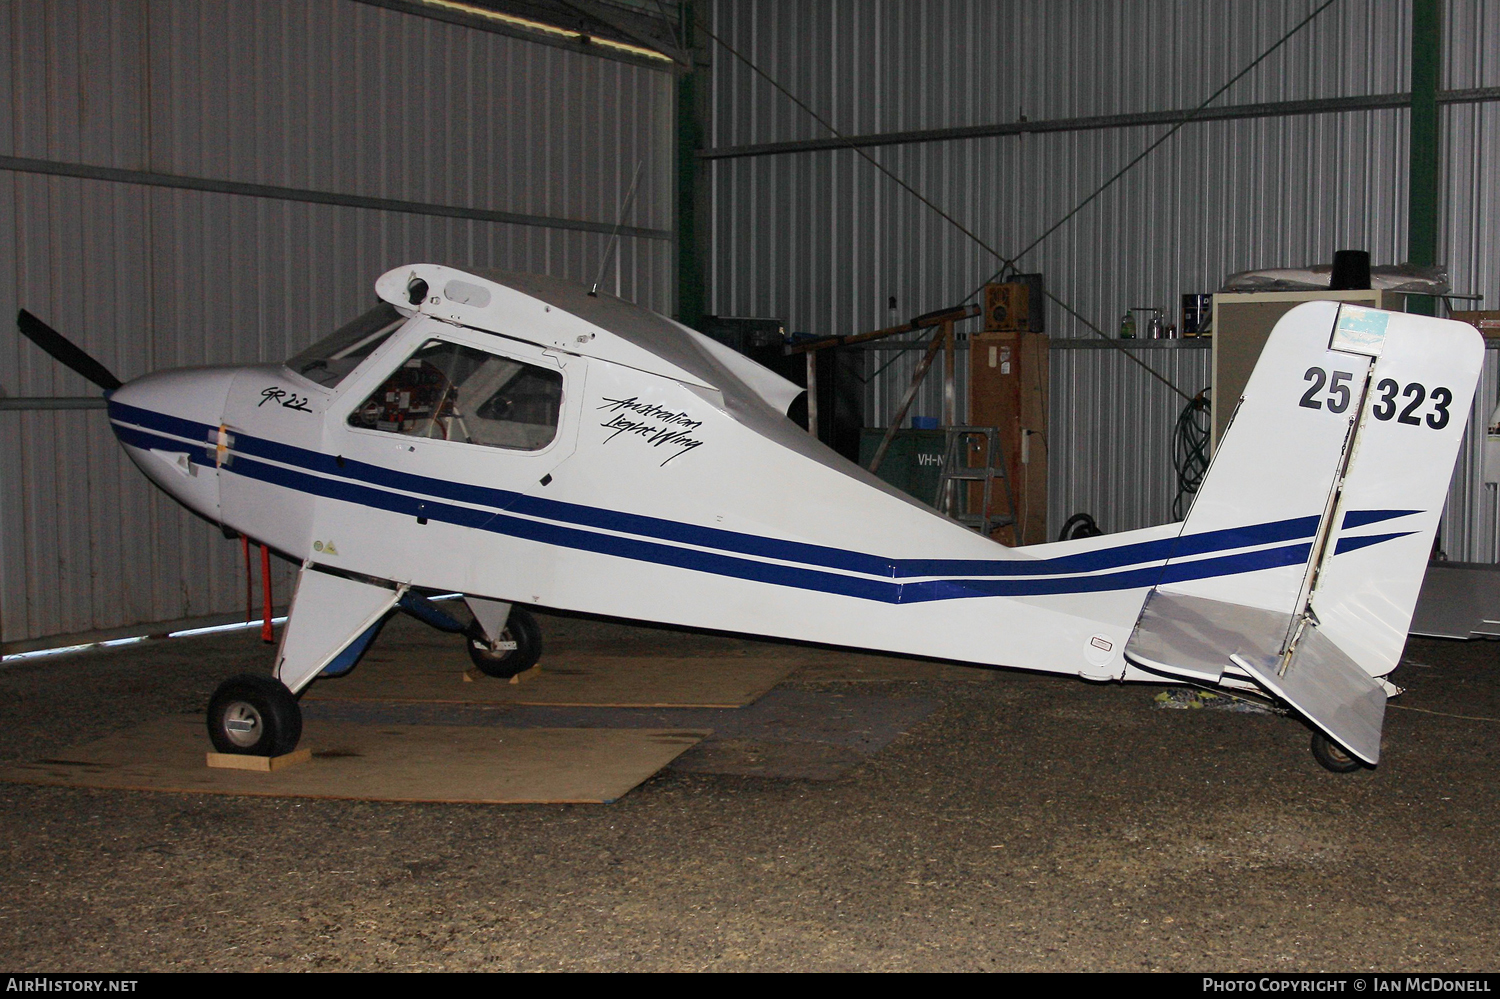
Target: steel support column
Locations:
point(692, 215)
point(1422, 164)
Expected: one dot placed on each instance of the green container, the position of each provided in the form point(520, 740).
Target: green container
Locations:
point(913, 463)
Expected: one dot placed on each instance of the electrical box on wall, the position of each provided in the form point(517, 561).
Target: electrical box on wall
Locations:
point(1017, 305)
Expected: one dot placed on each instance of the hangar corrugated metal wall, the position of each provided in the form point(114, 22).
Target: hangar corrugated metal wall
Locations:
point(325, 96)
point(820, 238)
point(1469, 241)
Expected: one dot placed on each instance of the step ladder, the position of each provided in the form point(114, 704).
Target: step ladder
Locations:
point(953, 499)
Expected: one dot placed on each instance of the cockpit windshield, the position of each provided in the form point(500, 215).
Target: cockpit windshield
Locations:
point(331, 358)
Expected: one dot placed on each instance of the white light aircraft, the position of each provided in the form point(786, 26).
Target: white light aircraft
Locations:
point(522, 442)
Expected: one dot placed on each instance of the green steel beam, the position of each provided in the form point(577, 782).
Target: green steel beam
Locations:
point(117, 175)
point(1230, 112)
point(1422, 168)
point(692, 295)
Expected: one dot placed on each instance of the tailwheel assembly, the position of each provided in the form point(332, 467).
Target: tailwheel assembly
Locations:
point(1335, 757)
point(254, 715)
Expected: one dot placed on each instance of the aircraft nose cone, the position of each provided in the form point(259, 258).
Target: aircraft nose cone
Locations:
point(168, 423)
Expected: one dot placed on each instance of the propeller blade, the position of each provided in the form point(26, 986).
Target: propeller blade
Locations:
point(68, 353)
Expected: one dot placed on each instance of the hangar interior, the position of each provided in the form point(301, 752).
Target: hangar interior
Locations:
point(199, 183)
point(204, 182)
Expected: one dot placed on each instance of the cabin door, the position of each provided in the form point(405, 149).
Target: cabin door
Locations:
point(431, 449)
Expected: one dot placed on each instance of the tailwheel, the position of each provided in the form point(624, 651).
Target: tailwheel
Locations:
point(515, 651)
point(253, 715)
point(1333, 756)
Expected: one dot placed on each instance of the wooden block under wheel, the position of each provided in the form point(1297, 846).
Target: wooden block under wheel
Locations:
point(265, 764)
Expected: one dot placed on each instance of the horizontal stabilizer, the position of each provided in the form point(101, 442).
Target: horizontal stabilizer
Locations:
point(1329, 689)
point(1194, 637)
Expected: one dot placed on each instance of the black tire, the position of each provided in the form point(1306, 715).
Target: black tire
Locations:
point(520, 628)
point(1334, 757)
point(254, 715)
point(1080, 525)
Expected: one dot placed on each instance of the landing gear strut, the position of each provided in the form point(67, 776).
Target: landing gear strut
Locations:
point(515, 651)
point(1333, 756)
point(253, 715)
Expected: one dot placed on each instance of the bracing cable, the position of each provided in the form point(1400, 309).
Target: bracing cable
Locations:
point(1187, 118)
point(1190, 450)
point(1008, 263)
point(1005, 261)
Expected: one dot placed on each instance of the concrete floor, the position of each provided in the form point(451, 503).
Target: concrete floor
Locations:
point(951, 821)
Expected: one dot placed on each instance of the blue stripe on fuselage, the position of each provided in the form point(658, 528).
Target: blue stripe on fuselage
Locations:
point(369, 485)
point(763, 572)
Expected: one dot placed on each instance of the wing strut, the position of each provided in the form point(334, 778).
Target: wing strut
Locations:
point(331, 622)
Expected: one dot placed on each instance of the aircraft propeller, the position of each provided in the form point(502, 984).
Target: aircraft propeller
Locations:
point(64, 350)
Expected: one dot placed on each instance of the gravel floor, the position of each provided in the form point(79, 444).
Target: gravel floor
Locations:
point(1025, 823)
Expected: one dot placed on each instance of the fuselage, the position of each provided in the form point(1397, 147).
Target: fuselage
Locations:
point(679, 495)
point(520, 441)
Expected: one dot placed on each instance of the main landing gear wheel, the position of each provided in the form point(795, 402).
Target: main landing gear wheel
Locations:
point(516, 651)
point(1333, 756)
point(254, 715)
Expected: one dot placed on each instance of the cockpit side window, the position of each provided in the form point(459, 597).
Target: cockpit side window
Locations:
point(447, 391)
point(331, 358)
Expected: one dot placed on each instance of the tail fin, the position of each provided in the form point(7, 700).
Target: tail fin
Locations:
point(1318, 512)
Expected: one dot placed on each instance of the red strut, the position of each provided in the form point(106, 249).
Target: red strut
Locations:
point(266, 634)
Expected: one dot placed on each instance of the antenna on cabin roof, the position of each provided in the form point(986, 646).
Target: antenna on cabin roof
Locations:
point(615, 236)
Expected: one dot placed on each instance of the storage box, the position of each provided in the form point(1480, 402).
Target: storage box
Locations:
point(914, 462)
